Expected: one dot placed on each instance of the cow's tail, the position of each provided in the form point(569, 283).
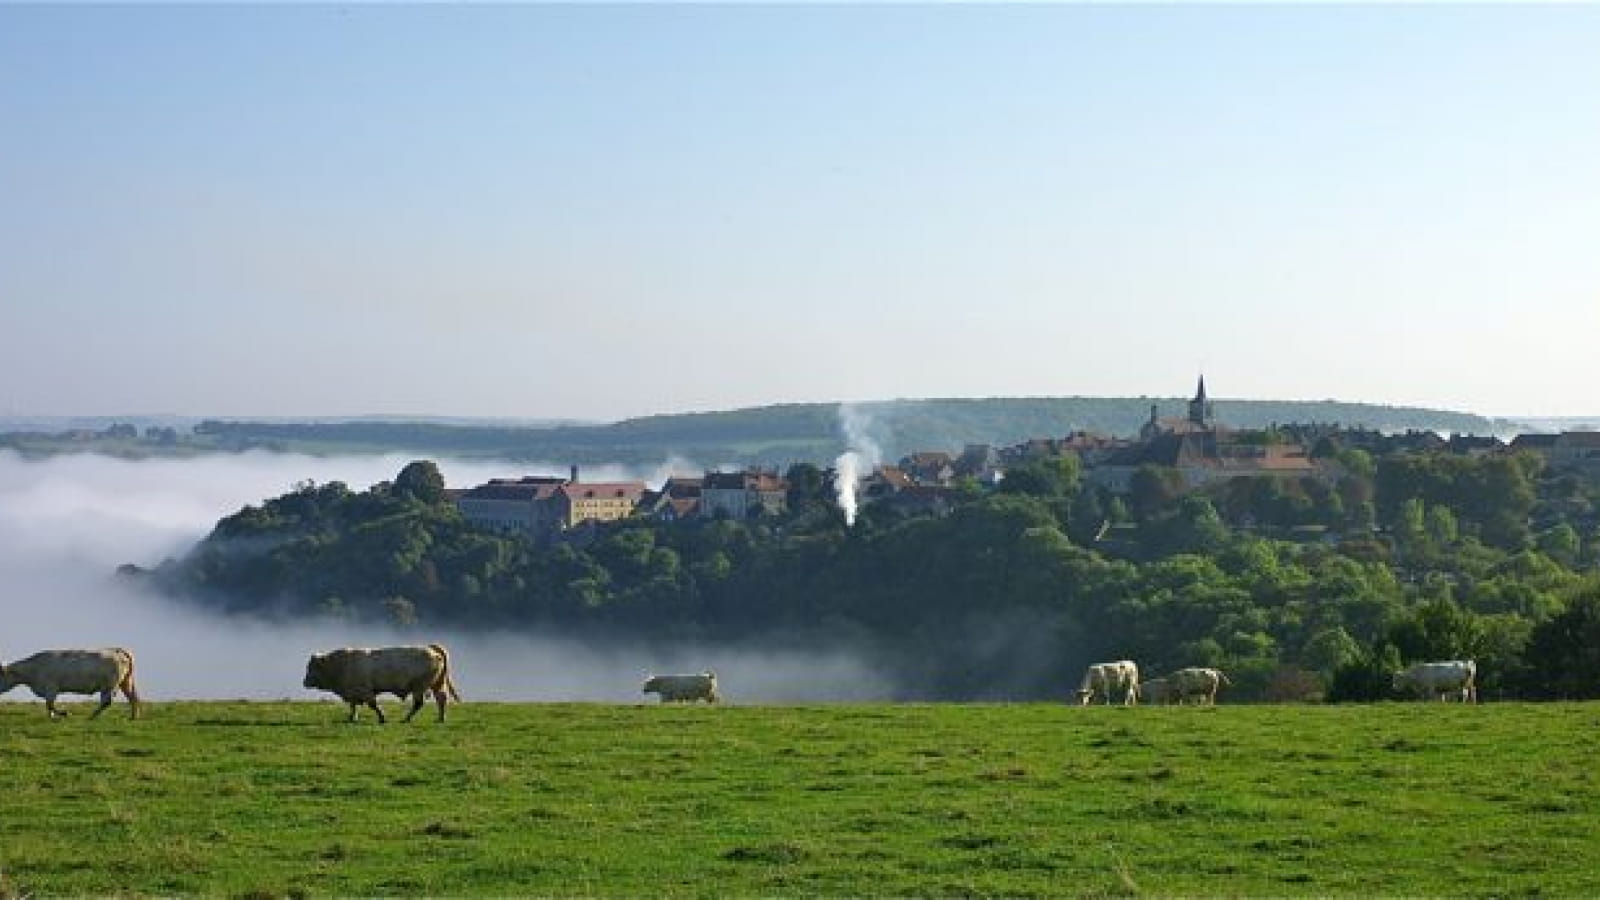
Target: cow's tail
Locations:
point(444, 676)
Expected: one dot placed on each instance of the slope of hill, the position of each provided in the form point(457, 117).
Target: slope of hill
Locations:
point(812, 432)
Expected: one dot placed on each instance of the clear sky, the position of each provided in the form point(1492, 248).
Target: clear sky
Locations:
point(595, 212)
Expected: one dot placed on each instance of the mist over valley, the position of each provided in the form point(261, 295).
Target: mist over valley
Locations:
point(67, 522)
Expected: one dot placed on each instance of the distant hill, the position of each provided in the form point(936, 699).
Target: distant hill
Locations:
point(811, 432)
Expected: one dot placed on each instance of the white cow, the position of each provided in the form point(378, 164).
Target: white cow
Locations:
point(1456, 678)
point(683, 688)
point(1105, 679)
point(1156, 690)
point(358, 675)
point(53, 672)
point(1196, 682)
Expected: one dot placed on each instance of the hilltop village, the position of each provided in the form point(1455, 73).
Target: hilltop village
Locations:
point(1305, 560)
point(1190, 453)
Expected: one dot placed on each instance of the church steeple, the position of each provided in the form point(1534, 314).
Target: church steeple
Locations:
point(1200, 412)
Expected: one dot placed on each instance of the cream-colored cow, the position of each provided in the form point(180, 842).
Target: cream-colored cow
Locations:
point(1197, 682)
point(50, 673)
point(1456, 678)
point(358, 675)
point(1106, 679)
point(1156, 691)
point(683, 688)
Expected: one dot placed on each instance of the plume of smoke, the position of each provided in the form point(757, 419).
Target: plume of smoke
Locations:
point(862, 455)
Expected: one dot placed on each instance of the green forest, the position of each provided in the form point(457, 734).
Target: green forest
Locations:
point(1300, 590)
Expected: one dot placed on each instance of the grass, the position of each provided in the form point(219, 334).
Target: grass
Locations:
point(284, 799)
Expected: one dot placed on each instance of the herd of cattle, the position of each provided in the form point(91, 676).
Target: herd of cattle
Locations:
point(1450, 680)
point(357, 675)
point(360, 675)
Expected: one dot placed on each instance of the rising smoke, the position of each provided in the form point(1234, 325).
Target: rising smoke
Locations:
point(862, 455)
point(67, 522)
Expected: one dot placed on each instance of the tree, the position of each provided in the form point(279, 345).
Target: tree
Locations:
point(1370, 677)
point(1440, 523)
point(1560, 543)
point(1567, 649)
point(807, 485)
point(1153, 489)
point(1048, 477)
point(1195, 527)
point(1330, 649)
point(400, 611)
point(420, 480)
point(1439, 629)
point(1410, 530)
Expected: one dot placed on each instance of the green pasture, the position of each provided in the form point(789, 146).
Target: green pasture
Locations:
point(930, 800)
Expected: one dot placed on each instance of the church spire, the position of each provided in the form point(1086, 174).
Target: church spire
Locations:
point(1200, 412)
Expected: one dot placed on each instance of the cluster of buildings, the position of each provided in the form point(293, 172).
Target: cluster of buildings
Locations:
point(1197, 447)
point(541, 504)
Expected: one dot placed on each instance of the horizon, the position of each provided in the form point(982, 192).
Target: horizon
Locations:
point(602, 213)
point(1584, 422)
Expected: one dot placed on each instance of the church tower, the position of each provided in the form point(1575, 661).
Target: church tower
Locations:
point(1200, 412)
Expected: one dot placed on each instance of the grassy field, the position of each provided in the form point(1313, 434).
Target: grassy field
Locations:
point(286, 799)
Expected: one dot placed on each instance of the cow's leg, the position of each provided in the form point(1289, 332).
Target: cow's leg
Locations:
point(353, 708)
point(132, 693)
point(50, 706)
point(442, 699)
point(418, 698)
point(373, 704)
point(106, 697)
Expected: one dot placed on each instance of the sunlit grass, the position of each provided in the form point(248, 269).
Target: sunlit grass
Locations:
point(284, 798)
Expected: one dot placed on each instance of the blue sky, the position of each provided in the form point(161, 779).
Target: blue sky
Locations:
point(594, 212)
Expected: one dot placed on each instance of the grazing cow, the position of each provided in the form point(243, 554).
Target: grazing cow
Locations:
point(1105, 679)
point(1197, 682)
point(1442, 680)
point(1156, 690)
point(358, 675)
point(53, 672)
point(683, 688)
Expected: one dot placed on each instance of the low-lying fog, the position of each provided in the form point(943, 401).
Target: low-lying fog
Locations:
point(67, 522)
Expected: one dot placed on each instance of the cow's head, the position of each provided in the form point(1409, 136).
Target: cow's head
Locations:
point(1084, 696)
point(317, 672)
point(652, 685)
point(7, 682)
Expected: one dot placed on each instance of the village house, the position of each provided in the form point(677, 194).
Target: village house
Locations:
point(678, 499)
point(980, 462)
point(516, 505)
point(932, 467)
point(600, 501)
point(885, 481)
point(739, 494)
